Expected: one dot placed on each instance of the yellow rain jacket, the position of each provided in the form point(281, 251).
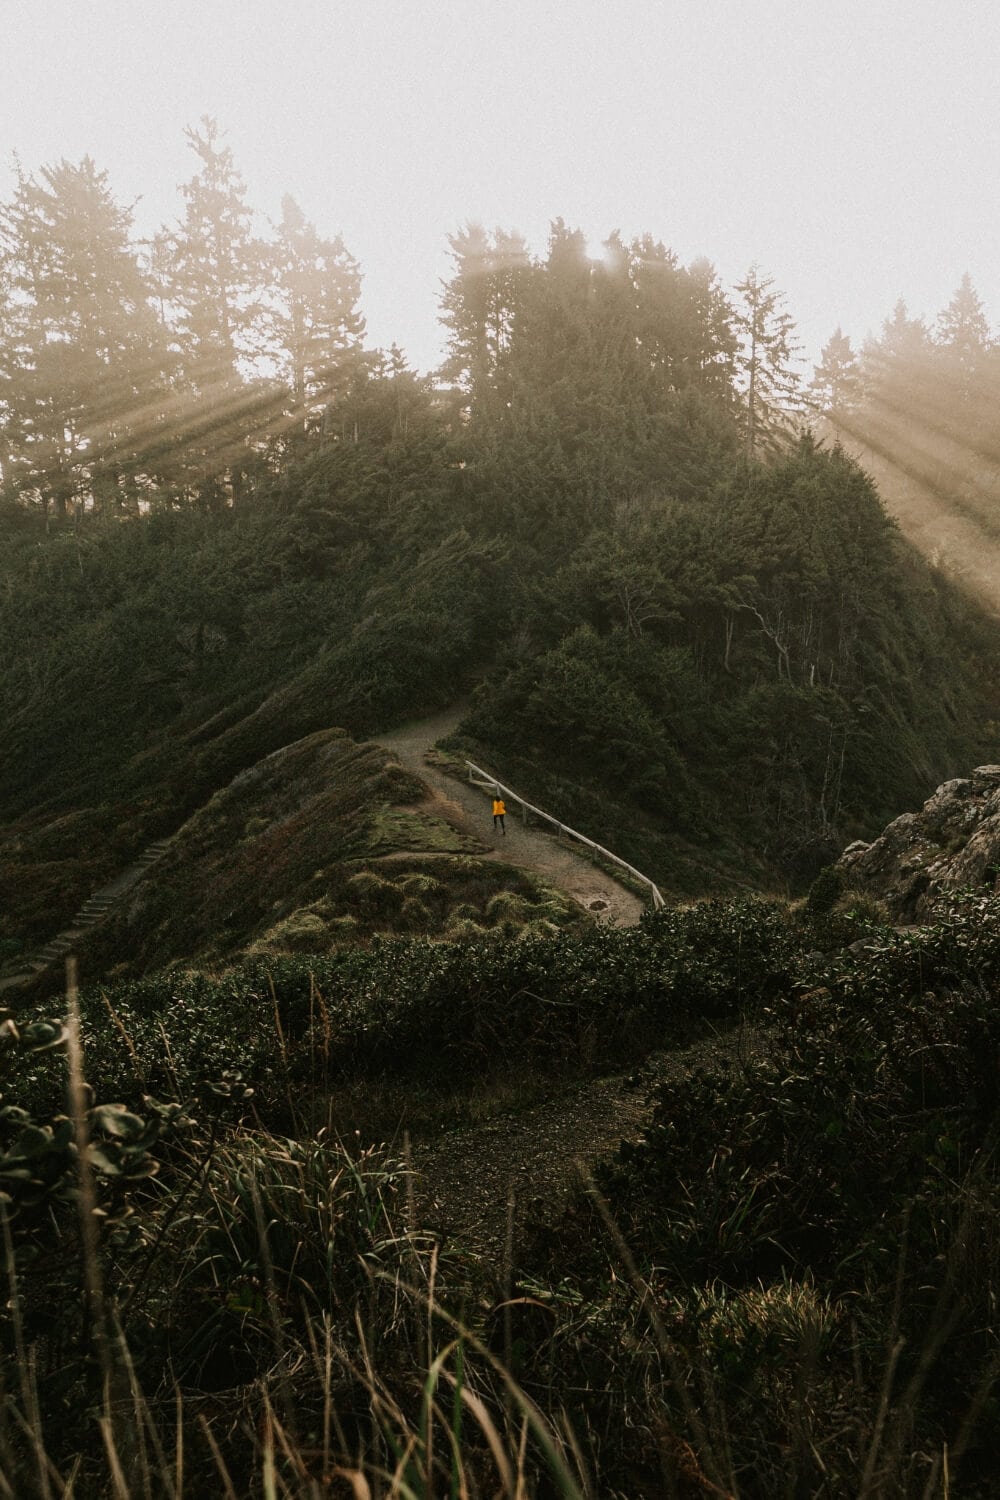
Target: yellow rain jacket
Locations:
point(499, 810)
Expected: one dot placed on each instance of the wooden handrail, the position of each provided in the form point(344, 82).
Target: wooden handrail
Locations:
point(528, 807)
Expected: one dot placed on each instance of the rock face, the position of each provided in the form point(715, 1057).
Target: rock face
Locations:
point(952, 842)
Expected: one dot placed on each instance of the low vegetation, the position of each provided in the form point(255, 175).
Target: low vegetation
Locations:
point(787, 1286)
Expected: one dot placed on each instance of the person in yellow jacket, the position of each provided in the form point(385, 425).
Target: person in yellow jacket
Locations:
point(499, 812)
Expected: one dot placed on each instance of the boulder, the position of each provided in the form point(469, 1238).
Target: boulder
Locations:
point(953, 842)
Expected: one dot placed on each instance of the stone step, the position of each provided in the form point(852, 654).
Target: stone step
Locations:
point(12, 981)
point(54, 950)
point(93, 910)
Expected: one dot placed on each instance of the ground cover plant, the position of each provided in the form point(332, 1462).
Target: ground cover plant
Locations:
point(416, 1008)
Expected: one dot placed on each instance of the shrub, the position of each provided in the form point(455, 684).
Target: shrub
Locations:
point(464, 911)
point(344, 928)
point(303, 931)
point(423, 886)
point(824, 891)
point(414, 915)
point(374, 896)
point(507, 910)
point(463, 930)
point(537, 927)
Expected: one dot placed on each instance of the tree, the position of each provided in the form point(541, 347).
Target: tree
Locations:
point(904, 344)
point(7, 366)
point(84, 360)
point(215, 266)
point(716, 343)
point(767, 359)
point(836, 382)
point(215, 270)
point(962, 326)
point(315, 323)
point(897, 375)
point(479, 306)
point(963, 339)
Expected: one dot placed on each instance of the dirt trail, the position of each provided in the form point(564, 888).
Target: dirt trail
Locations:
point(468, 808)
point(478, 1183)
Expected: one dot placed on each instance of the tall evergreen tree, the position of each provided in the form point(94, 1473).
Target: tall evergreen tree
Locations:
point(215, 271)
point(85, 361)
point(904, 341)
point(216, 266)
point(836, 382)
point(964, 342)
point(479, 308)
point(7, 369)
point(315, 323)
point(714, 361)
point(897, 370)
point(767, 360)
point(962, 326)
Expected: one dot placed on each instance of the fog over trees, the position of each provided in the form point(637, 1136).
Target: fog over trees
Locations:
point(142, 374)
point(139, 374)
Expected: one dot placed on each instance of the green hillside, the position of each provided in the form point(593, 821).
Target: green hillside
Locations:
point(728, 685)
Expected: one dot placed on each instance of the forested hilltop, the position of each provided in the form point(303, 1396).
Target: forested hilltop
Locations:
point(227, 524)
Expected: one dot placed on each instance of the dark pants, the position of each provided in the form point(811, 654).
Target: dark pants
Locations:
point(498, 818)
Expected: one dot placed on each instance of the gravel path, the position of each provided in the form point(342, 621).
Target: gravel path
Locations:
point(467, 1177)
point(467, 808)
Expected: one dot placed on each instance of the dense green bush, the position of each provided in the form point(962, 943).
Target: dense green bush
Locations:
point(416, 1008)
point(845, 1173)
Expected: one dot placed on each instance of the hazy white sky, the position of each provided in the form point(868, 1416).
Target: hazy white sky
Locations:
point(848, 146)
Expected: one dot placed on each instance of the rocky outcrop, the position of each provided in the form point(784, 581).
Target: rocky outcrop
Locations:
point(952, 843)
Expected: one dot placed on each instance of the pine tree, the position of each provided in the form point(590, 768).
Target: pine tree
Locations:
point(216, 266)
point(713, 363)
point(897, 372)
point(963, 340)
point(215, 271)
point(767, 360)
point(904, 340)
point(315, 324)
point(836, 382)
point(85, 361)
point(962, 326)
point(8, 366)
point(480, 305)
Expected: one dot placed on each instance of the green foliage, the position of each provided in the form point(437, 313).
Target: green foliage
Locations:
point(811, 1231)
point(825, 891)
point(412, 1008)
point(858, 1149)
point(760, 661)
point(714, 669)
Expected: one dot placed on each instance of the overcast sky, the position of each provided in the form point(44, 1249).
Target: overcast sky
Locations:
point(849, 148)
